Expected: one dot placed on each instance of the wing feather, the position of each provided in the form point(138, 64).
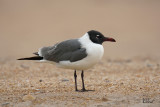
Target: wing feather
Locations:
point(67, 50)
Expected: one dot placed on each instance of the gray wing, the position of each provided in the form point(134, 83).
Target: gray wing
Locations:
point(67, 50)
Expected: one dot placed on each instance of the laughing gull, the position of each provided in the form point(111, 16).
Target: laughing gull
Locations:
point(76, 54)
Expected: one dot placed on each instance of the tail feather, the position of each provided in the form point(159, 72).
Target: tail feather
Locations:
point(36, 53)
point(32, 58)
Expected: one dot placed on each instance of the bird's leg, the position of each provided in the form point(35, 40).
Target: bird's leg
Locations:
point(75, 78)
point(83, 87)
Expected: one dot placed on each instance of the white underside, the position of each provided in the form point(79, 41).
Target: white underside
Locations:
point(94, 54)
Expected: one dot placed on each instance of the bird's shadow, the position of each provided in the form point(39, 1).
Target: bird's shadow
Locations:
point(84, 90)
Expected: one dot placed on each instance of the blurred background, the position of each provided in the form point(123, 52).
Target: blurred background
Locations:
point(26, 25)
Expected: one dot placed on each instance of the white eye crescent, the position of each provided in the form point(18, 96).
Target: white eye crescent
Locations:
point(97, 36)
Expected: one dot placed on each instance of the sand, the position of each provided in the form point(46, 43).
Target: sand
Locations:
point(128, 75)
point(114, 82)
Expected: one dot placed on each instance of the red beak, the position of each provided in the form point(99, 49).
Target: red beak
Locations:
point(109, 39)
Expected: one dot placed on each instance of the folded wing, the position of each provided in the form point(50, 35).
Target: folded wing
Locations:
point(69, 50)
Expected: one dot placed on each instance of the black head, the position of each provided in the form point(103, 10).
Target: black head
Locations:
point(97, 37)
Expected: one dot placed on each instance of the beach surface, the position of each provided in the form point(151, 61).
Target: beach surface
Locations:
point(112, 82)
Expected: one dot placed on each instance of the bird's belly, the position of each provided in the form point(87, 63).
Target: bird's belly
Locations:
point(94, 54)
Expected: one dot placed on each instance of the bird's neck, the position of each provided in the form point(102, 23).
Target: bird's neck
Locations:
point(85, 39)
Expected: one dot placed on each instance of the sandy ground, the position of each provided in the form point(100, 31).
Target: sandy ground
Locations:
point(114, 82)
point(120, 79)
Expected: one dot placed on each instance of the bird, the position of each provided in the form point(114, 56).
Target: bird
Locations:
point(76, 54)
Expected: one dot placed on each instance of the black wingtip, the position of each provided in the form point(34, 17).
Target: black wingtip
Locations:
point(21, 59)
point(32, 58)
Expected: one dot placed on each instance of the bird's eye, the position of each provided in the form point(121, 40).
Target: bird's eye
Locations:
point(98, 37)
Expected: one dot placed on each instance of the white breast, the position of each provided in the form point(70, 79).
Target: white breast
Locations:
point(94, 54)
